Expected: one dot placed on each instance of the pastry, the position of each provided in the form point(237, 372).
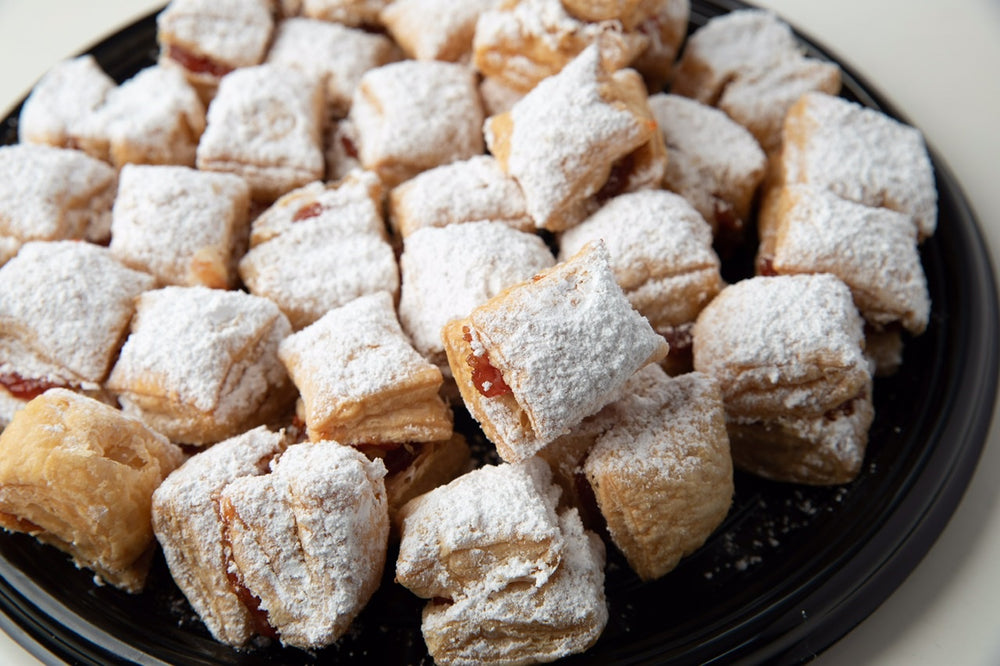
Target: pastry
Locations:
point(859, 154)
point(510, 580)
point(362, 381)
point(542, 355)
point(411, 116)
point(661, 473)
point(788, 354)
point(265, 124)
point(522, 42)
point(65, 310)
point(189, 528)
point(469, 190)
point(434, 29)
point(873, 250)
point(308, 540)
point(714, 163)
point(666, 29)
point(319, 247)
point(524, 623)
point(487, 529)
point(446, 272)
point(79, 475)
point(661, 254)
point(61, 100)
point(207, 39)
point(201, 365)
point(183, 226)
point(287, 542)
point(51, 193)
point(586, 132)
point(335, 53)
point(155, 117)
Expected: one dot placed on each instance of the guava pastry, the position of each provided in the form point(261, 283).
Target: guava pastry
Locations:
point(79, 475)
point(535, 360)
point(183, 226)
point(64, 314)
point(49, 193)
point(201, 365)
point(788, 354)
point(411, 116)
point(265, 124)
point(362, 381)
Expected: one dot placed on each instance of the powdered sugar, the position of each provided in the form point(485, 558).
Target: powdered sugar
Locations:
point(434, 29)
point(232, 33)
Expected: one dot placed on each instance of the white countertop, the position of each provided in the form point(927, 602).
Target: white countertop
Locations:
point(938, 63)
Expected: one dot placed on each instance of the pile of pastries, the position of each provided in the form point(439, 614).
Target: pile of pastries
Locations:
point(244, 292)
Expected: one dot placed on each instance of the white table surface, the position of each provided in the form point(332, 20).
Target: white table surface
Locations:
point(939, 62)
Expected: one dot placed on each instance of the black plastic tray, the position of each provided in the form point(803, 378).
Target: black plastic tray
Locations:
point(791, 570)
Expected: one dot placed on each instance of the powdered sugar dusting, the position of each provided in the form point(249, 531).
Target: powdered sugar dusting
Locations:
point(61, 99)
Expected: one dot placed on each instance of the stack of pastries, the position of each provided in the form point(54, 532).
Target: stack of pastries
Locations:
point(246, 290)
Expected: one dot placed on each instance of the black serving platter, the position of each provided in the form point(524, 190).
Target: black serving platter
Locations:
point(791, 570)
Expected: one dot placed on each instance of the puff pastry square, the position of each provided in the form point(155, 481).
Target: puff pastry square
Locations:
point(859, 154)
point(487, 529)
point(661, 253)
point(522, 42)
point(335, 53)
point(188, 526)
point(184, 226)
point(873, 250)
point(201, 365)
point(563, 141)
point(207, 39)
point(535, 360)
point(65, 311)
point(61, 100)
point(448, 271)
point(525, 623)
point(715, 163)
point(666, 30)
point(79, 475)
point(308, 540)
point(155, 117)
point(362, 381)
point(51, 193)
point(469, 190)
point(320, 247)
point(790, 350)
point(411, 116)
point(662, 473)
point(265, 124)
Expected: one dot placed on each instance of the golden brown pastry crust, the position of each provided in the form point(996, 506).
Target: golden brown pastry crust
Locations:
point(80, 475)
point(662, 473)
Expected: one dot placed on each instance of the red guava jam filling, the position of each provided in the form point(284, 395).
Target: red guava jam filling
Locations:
point(258, 618)
point(197, 64)
point(25, 388)
point(486, 378)
point(310, 210)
